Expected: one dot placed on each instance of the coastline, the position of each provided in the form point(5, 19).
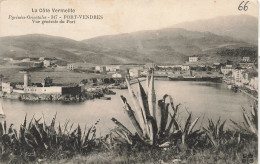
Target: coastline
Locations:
point(248, 94)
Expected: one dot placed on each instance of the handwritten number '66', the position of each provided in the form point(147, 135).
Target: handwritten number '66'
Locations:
point(240, 7)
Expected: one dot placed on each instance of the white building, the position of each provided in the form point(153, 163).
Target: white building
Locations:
point(254, 83)
point(185, 67)
point(112, 68)
point(8, 59)
point(237, 74)
point(7, 88)
point(43, 90)
point(41, 58)
point(193, 58)
point(134, 72)
point(26, 60)
point(27, 79)
point(246, 59)
point(47, 63)
point(117, 75)
point(100, 68)
point(226, 70)
point(70, 67)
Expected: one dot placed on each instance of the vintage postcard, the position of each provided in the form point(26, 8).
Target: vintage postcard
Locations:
point(129, 81)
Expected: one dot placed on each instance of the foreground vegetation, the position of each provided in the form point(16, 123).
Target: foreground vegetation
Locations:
point(161, 137)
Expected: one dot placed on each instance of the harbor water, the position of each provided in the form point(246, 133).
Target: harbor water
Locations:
point(204, 99)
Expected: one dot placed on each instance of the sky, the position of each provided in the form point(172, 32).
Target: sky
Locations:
point(119, 16)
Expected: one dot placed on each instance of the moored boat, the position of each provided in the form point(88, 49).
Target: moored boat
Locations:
point(105, 98)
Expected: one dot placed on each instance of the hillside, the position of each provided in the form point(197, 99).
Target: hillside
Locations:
point(168, 45)
point(242, 27)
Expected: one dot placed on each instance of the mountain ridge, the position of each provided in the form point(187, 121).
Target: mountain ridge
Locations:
point(167, 45)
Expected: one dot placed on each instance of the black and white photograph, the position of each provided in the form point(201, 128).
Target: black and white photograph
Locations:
point(129, 81)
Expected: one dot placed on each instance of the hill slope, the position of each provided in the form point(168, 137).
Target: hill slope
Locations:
point(241, 27)
point(169, 45)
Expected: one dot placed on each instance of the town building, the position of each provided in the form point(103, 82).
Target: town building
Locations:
point(134, 72)
point(254, 83)
point(7, 87)
point(193, 58)
point(37, 64)
point(116, 75)
point(9, 59)
point(237, 74)
point(245, 58)
point(70, 67)
point(38, 88)
point(100, 68)
point(225, 70)
point(150, 65)
point(26, 60)
point(247, 65)
point(185, 67)
point(27, 79)
point(46, 63)
point(41, 58)
point(112, 68)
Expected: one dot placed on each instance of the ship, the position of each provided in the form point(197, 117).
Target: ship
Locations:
point(105, 98)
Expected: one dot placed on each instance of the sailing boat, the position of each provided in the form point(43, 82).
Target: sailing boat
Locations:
point(2, 114)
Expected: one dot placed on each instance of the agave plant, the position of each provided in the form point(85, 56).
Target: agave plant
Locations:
point(250, 124)
point(39, 140)
point(215, 133)
point(155, 123)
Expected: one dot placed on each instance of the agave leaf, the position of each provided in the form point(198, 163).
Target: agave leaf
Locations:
point(221, 128)
point(152, 98)
point(53, 122)
point(143, 101)
point(255, 115)
point(78, 138)
point(71, 128)
point(87, 135)
point(187, 124)
point(164, 115)
point(65, 126)
point(211, 139)
point(248, 121)
point(121, 126)
point(151, 133)
point(132, 117)
point(192, 125)
point(148, 78)
point(123, 135)
point(59, 129)
point(165, 144)
point(173, 121)
point(24, 123)
point(10, 130)
point(4, 127)
point(137, 108)
point(1, 129)
point(239, 127)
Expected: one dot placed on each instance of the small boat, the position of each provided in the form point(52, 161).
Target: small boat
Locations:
point(111, 92)
point(2, 114)
point(105, 98)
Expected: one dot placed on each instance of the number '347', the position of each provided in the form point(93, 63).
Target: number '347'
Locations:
point(243, 6)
